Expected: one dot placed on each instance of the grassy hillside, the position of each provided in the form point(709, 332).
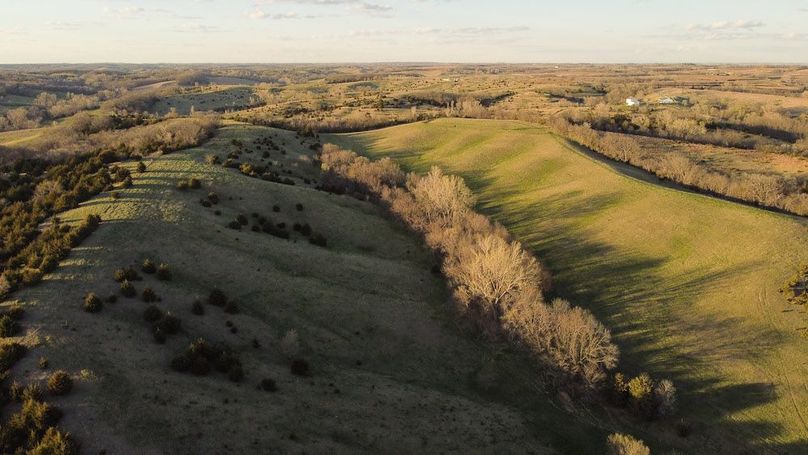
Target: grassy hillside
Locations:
point(391, 369)
point(689, 284)
point(207, 99)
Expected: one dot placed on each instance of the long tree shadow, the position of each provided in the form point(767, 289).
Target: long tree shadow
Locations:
point(640, 304)
point(636, 301)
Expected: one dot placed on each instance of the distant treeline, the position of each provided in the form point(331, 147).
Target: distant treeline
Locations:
point(758, 189)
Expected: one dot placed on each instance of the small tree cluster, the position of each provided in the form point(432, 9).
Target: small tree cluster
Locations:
point(10, 354)
point(128, 289)
point(796, 288)
point(167, 324)
point(623, 444)
point(31, 430)
point(190, 183)
point(9, 321)
point(201, 357)
point(148, 266)
point(126, 274)
point(163, 272)
point(60, 383)
point(646, 398)
point(92, 303)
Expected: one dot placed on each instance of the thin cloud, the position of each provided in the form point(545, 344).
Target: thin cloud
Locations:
point(261, 14)
point(727, 25)
point(363, 6)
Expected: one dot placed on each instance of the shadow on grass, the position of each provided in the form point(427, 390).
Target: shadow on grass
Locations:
point(637, 300)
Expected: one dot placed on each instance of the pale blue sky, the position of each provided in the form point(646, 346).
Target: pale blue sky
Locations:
point(270, 31)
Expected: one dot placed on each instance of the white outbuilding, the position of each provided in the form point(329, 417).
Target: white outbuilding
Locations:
point(632, 102)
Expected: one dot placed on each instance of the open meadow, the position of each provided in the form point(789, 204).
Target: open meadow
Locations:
point(390, 365)
point(687, 283)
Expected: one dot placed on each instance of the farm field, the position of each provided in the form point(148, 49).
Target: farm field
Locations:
point(687, 283)
point(372, 320)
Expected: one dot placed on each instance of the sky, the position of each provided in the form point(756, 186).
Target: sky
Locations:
point(467, 31)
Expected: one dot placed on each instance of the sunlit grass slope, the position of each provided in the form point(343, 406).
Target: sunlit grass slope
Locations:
point(392, 371)
point(688, 284)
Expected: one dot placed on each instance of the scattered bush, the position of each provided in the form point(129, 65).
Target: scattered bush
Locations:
point(299, 207)
point(148, 266)
point(60, 383)
point(126, 274)
point(92, 303)
point(168, 324)
point(8, 326)
point(197, 308)
point(149, 295)
point(54, 442)
point(796, 288)
point(163, 272)
point(645, 397)
point(141, 166)
point(10, 354)
point(29, 426)
point(43, 363)
point(194, 183)
point(276, 208)
point(622, 444)
point(242, 220)
point(14, 312)
point(213, 198)
point(641, 395)
point(201, 357)
point(128, 289)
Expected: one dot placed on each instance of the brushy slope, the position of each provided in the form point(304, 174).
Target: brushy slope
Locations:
point(392, 370)
point(688, 284)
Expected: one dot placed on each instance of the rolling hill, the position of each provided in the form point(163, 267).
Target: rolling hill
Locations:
point(687, 283)
point(391, 368)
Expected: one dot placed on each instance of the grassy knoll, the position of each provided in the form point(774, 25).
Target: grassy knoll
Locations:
point(689, 284)
point(392, 370)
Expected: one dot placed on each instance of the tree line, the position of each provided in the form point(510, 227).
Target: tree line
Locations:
point(759, 189)
point(496, 282)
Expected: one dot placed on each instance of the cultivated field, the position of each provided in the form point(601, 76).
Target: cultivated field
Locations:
point(687, 283)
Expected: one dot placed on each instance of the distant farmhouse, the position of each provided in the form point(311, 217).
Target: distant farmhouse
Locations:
point(632, 102)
